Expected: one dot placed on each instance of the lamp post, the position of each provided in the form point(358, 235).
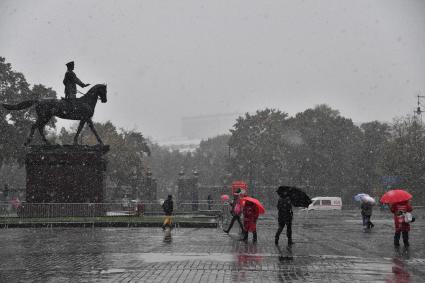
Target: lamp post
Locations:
point(6, 191)
point(134, 181)
point(148, 186)
point(228, 176)
point(418, 110)
point(137, 181)
point(195, 190)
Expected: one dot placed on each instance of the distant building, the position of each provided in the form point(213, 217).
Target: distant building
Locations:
point(180, 144)
point(198, 128)
point(208, 126)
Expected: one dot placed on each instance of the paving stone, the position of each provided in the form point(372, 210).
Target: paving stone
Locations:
point(328, 247)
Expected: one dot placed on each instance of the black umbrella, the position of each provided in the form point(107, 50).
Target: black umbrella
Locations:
point(297, 196)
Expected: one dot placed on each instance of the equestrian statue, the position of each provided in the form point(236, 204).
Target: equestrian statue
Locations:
point(70, 108)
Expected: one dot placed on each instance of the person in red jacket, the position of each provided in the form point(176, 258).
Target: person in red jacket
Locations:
point(250, 216)
point(400, 225)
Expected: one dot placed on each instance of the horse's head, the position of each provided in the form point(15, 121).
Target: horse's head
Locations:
point(102, 93)
point(99, 90)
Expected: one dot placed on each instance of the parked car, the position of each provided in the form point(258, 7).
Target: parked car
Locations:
point(325, 203)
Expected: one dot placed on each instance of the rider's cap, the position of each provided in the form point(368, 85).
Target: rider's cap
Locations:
point(69, 64)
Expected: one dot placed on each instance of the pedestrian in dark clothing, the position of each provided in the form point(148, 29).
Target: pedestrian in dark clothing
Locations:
point(140, 209)
point(236, 211)
point(167, 206)
point(209, 201)
point(366, 215)
point(284, 207)
point(401, 226)
point(250, 216)
point(70, 81)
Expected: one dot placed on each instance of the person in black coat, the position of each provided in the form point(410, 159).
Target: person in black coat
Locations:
point(167, 206)
point(284, 206)
point(366, 208)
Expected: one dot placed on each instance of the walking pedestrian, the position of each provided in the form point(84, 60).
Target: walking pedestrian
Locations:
point(400, 209)
point(366, 208)
point(236, 211)
point(250, 216)
point(167, 206)
point(209, 201)
point(140, 208)
point(285, 216)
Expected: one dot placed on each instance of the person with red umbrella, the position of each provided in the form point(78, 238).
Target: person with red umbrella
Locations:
point(251, 210)
point(399, 201)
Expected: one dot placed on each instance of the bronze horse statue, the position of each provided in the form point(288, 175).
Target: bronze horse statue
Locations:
point(76, 109)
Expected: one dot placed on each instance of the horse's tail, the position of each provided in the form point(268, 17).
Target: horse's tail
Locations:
point(19, 106)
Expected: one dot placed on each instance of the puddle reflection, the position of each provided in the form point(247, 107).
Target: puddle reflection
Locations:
point(287, 269)
point(399, 269)
point(246, 258)
point(285, 256)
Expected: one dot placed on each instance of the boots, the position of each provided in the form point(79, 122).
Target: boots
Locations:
point(397, 239)
point(254, 235)
point(405, 239)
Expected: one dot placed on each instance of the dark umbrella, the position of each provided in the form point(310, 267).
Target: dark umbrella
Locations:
point(297, 196)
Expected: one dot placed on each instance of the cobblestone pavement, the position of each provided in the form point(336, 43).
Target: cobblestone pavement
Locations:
point(329, 247)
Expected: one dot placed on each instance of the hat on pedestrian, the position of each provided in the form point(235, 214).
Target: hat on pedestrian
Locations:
point(70, 64)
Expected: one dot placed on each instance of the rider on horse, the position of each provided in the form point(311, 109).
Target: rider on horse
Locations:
point(70, 81)
point(81, 109)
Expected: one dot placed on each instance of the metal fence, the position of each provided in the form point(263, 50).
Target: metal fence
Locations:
point(52, 210)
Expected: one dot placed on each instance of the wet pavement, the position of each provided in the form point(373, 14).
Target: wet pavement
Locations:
point(329, 247)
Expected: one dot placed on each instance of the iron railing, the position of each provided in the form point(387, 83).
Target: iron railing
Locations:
point(52, 210)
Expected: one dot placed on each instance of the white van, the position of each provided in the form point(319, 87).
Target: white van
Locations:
point(325, 203)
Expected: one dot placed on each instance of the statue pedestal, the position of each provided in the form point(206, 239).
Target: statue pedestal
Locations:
point(65, 174)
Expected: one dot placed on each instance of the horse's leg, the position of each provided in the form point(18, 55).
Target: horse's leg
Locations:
point(90, 122)
point(80, 127)
point(41, 131)
point(31, 135)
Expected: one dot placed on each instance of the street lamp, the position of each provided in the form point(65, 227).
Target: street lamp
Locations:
point(147, 191)
point(418, 109)
point(6, 191)
point(133, 179)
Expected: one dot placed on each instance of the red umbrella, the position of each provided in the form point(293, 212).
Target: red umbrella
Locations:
point(395, 196)
point(224, 198)
point(261, 209)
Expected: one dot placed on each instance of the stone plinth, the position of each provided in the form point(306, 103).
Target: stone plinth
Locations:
point(65, 174)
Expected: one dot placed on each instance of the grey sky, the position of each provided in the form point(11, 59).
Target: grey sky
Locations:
point(163, 60)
